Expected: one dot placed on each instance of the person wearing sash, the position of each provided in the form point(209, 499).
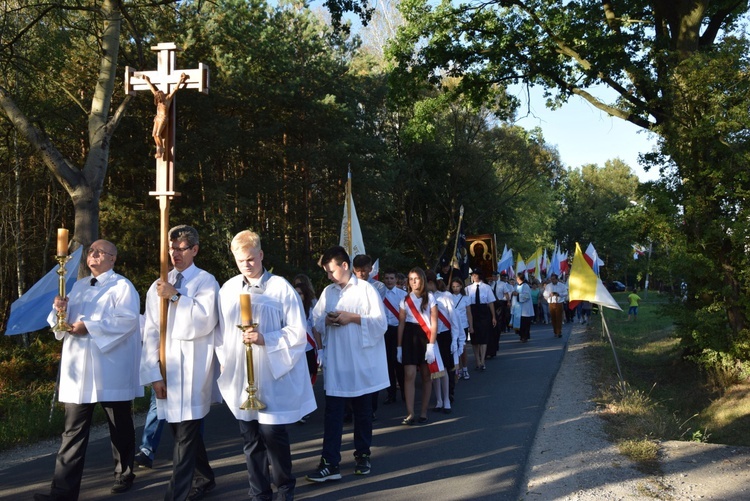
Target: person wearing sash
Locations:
point(482, 321)
point(417, 335)
point(461, 306)
point(447, 341)
point(99, 364)
point(391, 301)
point(351, 320)
point(556, 294)
point(278, 337)
point(522, 294)
point(186, 396)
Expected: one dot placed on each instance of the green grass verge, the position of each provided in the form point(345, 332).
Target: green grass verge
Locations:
point(27, 381)
point(664, 397)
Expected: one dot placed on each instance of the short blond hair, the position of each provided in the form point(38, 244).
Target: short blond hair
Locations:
point(245, 240)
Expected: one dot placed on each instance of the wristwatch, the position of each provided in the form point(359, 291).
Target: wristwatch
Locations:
point(175, 298)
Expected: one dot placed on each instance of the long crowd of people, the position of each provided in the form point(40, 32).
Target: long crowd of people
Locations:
point(258, 343)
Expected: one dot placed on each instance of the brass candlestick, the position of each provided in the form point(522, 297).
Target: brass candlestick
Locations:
point(252, 402)
point(62, 315)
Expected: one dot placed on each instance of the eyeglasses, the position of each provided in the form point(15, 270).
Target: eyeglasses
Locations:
point(93, 252)
point(180, 250)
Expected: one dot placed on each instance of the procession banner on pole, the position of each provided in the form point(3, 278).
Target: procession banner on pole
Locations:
point(351, 233)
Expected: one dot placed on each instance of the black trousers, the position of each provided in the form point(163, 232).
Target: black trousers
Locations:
point(264, 445)
point(525, 330)
point(66, 482)
point(189, 460)
point(395, 369)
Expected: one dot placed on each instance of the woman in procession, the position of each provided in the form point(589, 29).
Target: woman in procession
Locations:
point(417, 334)
point(447, 340)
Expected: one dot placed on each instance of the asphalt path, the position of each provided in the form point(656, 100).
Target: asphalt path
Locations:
point(477, 452)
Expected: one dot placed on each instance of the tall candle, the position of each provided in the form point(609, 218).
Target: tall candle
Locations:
point(246, 309)
point(62, 242)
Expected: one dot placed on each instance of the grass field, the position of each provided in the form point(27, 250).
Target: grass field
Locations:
point(663, 397)
point(27, 378)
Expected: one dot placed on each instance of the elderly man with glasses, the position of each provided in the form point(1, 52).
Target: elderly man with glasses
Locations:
point(99, 364)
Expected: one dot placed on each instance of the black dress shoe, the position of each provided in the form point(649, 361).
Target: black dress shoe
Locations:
point(200, 491)
point(123, 484)
point(143, 461)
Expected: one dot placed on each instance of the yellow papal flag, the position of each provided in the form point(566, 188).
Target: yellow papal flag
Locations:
point(584, 285)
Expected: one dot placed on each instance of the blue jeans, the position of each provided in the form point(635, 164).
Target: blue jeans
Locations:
point(334, 426)
point(151, 430)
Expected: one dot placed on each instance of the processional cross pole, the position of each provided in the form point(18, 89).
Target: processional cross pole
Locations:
point(164, 84)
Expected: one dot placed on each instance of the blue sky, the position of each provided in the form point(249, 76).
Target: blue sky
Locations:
point(584, 135)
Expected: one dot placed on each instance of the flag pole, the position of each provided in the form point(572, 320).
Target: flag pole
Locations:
point(605, 329)
point(454, 261)
point(350, 244)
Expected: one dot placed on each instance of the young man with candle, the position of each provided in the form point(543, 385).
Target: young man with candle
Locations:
point(99, 364)
point(273, 320)
point(185, 397)
point(351, 319)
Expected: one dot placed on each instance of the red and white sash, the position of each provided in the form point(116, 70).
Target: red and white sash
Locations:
point(445, 321)
point(390, 307)
point(437, 369)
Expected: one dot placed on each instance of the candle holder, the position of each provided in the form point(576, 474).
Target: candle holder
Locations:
point(252, 402)
point(62, 315)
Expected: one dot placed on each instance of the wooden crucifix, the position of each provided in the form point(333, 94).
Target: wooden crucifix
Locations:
point(164, 84)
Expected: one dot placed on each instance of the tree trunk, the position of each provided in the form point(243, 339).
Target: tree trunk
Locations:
point(83, 185)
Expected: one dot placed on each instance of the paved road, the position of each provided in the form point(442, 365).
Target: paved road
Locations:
point(477, 452)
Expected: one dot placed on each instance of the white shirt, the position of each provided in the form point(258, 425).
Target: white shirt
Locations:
point(485, 293)
point(191, 372)
point(504, 290)
point(560, 288)
point(355, 363)
point(444, 302)
point(424, 312)
point(379, 286)
point(460, 303)
point(101, 366)
point(279, 365)
point(394, 297)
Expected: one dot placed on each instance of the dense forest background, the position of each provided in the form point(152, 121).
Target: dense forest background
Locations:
point(415, 105)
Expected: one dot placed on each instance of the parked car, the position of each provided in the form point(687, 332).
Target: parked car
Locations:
point(615, 286)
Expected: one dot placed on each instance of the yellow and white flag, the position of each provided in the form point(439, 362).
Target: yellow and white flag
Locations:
point(584, 285)
point(351, 233)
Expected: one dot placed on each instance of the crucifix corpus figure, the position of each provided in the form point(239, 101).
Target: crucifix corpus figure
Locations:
point(163, 102)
